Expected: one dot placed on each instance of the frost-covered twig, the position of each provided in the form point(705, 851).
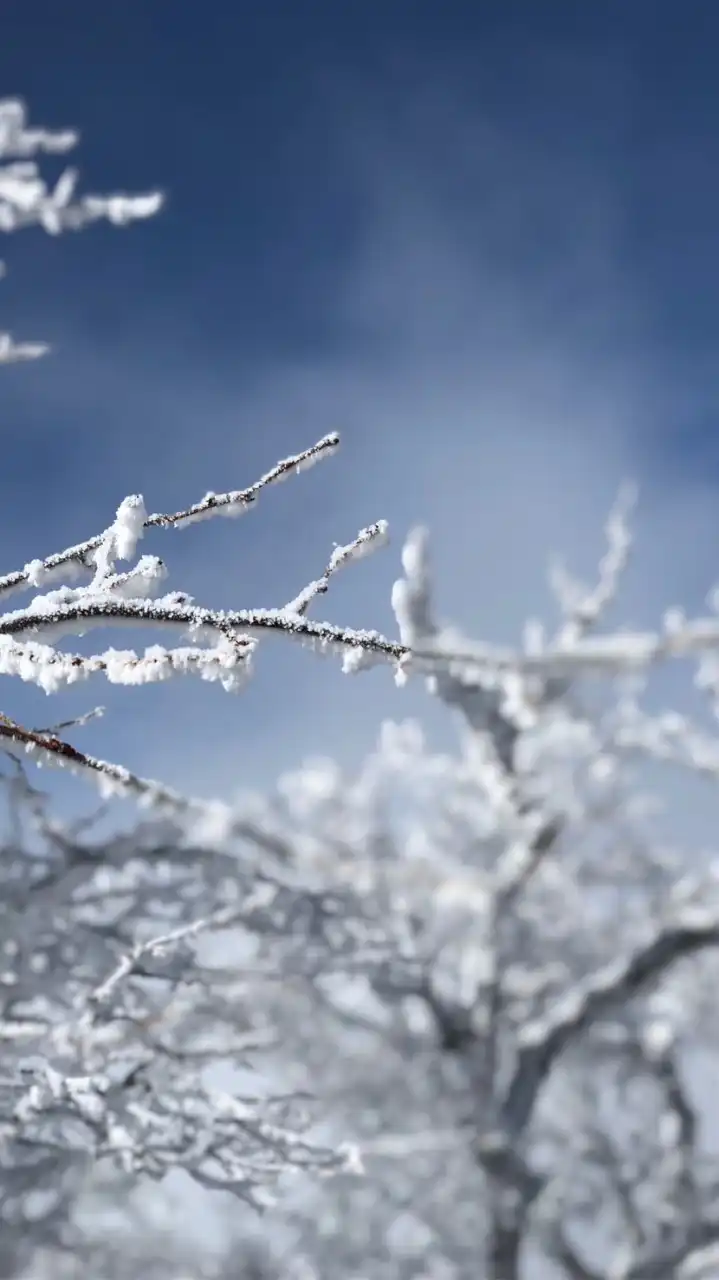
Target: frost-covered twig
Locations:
point(81, 557)
point(129, 963)
point(114, 599)
point(27, 199)
point(584, 607)
point(47, 748)
point(604, 655)
point(58, 620)
point(367, 540)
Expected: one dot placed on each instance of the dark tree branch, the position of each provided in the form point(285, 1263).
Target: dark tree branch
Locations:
point(543, 1041)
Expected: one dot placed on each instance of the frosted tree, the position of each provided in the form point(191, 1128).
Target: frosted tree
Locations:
point(515, 1054)
point(127, 968)
point(110, 1018)
point(519, 1074)
point(491, 965)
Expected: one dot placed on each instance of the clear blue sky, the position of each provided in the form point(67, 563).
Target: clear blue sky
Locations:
point(479, 237)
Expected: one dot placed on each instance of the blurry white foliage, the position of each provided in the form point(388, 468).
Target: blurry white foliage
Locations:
point(27, 199)
point(518, 1076)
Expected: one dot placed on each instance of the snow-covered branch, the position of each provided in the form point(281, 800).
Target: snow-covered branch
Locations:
point(223, 641)
point(132, 522)
point(544, 1040)
point(26, 198)
point(114, 1003)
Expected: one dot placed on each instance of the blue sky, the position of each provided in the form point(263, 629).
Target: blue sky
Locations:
point(478, 238)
